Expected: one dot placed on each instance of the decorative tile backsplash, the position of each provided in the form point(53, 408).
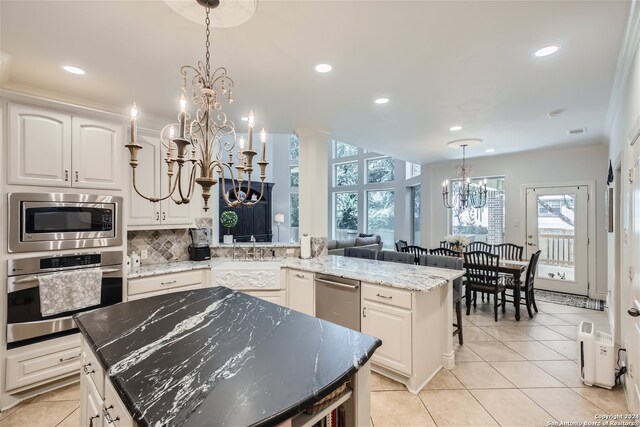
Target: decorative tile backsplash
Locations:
point(163, 245)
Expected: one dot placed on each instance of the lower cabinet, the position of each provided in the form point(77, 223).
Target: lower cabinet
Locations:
point(36, 364)
point(300, 288)
point(144, 287)
point(96, 411)
point(276, 297)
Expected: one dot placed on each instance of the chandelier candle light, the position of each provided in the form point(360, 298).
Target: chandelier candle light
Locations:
point(211, 132)
point(465, 194)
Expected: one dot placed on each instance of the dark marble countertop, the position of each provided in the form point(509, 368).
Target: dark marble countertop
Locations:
point(219, 357)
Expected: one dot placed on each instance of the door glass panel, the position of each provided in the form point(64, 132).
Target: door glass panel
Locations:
point(556, 236)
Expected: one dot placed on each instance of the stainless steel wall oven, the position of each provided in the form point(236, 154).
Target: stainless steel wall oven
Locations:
point(54, 221)
point(25, 323)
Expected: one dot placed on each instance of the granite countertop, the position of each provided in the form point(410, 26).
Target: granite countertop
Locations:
point(219, 357)
point(404, 276)
point(258, 245)
point(169, 267)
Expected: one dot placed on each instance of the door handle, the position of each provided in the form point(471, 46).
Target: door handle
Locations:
point(66, 175)
point(86, 370)
point(157, 216)
point(364, 314)
point(164, 216)
point(168, 283)
point(301, 276)
point(382, 296)
point(76, 176)
point(531, 244)
point(633, 312)
point(66, 359)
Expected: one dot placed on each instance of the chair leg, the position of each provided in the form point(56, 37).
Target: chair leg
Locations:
point(459, 320)
point(504, 301)
point(527, 300)
point(495, 308)
point(533, 300)
point(468, 298)
point(475, 298)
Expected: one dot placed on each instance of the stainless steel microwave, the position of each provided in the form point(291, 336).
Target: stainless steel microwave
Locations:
point(54, 221)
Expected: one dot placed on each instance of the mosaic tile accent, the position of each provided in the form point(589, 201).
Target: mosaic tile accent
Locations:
point(161, 245)
point(279, 251)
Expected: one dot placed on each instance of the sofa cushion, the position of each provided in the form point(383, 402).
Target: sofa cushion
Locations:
point(332, 244)
point(346, 243)
point(361, 241)
point(339, 251)
point(365, 235)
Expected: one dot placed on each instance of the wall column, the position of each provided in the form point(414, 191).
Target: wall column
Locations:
point(314, 181)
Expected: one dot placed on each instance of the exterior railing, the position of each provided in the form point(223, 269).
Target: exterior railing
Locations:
point(557, 249)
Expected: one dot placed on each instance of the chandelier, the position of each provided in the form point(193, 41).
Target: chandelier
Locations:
point(464, 193)
point(203, 148)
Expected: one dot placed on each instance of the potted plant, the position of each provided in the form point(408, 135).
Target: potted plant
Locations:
point(457, 242)
point(228, 219)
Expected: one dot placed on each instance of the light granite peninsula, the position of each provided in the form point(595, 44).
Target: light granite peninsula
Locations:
point(409, 307)
point(217, 357)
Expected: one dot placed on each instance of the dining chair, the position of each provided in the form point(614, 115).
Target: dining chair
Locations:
point(508, 251)
point(445, 244)
point(401, 244)
point(401, 257)
point(526, 286)
point(444, 252)
point(453, 263)
point(478, 246)
point(482, 276)
point(360, 253)
point(416, 251)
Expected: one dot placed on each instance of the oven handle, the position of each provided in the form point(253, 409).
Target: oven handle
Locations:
point(34, 279)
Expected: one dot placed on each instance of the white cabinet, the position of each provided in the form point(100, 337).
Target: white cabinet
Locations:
point(276, 297)
point(33, 365)
point(261, 279)
point(100, 405)
point(144, 287)
point(393, 326)
point(300, 288)
point(152, 181)
point(50, 148)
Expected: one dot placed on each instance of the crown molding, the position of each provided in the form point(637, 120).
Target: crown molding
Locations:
point(628, 50)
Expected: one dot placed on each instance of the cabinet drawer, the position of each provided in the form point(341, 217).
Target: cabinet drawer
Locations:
point(92, 369)
point(387, 295)
point(276, 297)
point(167, 281)
point(163, 292)
point(43, 362)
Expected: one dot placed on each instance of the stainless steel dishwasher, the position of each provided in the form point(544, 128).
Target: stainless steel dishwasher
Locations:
point(338, 300)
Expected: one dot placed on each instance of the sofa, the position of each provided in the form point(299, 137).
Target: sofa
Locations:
point(336, 247)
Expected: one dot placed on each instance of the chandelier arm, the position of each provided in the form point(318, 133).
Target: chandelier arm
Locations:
point(151, 199)
point(192, 183)
point(259, 198)
point(221, 167)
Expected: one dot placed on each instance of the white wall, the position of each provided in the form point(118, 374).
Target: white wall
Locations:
point(554, 166)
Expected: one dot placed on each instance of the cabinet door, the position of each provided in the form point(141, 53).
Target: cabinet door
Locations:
point(393, 326)
point(90, 406)
point(301, 291)
point(39, 152)
point(97, 154)
point(142, 211)
point(115, 414)
point(276, 297)
point(170, 212)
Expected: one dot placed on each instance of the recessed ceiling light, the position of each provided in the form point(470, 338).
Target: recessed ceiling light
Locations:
point(244, 119)
point(490, 150)
point(546, 51)
point(381, 100)
point(73, 70)
point(455, 128)
point(323, 68)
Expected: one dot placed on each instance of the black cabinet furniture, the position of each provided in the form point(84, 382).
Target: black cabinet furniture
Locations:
point(252, 220)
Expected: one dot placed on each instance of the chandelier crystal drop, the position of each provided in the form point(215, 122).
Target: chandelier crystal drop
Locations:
point(464, 194)
point(203, 148)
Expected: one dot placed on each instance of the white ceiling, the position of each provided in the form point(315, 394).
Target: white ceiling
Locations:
point(441, 63)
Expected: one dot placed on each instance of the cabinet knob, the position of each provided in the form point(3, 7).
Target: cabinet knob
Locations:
point(633, 312)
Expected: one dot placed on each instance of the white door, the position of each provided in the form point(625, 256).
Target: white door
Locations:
point(40, 147)
point(557, 224)
point(142, 211)
point(97, 153)
point(633, 346)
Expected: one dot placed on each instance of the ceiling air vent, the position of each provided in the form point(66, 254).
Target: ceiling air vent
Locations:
point(577, 131)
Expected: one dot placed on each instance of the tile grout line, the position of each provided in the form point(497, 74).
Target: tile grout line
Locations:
point(75, 409)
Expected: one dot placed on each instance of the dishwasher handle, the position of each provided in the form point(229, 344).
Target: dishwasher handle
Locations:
point(340, 285)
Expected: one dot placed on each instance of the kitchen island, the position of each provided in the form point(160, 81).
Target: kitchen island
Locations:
point(216, 357)
point(409, 307)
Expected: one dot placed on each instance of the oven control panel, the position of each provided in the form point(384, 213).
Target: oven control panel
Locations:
point(69, 261)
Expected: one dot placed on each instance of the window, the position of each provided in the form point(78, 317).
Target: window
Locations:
point(346, 174)
point(380, 217)
point(415, 218)
point(294, 215)
point(344, 150)
point(380, 170)
point(294, 147)
point(346, 215)
point(413, 170)
point(485, 224)
point(294, 176)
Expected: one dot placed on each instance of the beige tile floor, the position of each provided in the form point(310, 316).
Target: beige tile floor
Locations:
point(508, 373)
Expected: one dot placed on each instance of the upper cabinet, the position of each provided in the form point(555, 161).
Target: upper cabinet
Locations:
point(54, 149)
point(152, 180)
